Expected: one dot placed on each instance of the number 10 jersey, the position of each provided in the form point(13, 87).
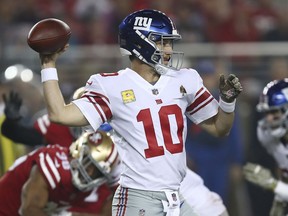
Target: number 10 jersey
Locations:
point(150, 121)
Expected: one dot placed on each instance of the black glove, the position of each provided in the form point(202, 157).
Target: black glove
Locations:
point(229, 88)
point(12, 105)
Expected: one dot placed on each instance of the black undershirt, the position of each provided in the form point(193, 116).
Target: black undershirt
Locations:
point(19, 133)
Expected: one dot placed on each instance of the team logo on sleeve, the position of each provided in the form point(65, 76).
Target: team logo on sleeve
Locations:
point(183, 90)
point(128, 96)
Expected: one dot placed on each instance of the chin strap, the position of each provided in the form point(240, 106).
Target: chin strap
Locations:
point(161, 69)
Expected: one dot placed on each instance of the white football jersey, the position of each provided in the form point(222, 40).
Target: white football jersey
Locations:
point(275, 147)
point(151, 118)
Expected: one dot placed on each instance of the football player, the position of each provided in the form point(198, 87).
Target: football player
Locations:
point(53, 180)
point(272, 132)
point(147, 104)
point(204, 201)
point(42, 132)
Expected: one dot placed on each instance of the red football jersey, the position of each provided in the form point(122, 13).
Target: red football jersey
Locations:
point(54, 133)
point(53, 163)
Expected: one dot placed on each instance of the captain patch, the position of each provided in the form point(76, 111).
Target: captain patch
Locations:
point(128, 96)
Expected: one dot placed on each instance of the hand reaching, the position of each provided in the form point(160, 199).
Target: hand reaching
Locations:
point(260, 176)
point(229, 88)
point(13, 104)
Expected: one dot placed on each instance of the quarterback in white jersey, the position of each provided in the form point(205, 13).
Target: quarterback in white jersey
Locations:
point(147, 104)
point(272, 132)
point(203, 201)
point(156, 115)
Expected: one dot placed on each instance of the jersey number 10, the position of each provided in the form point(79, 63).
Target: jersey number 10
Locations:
point(154, 149)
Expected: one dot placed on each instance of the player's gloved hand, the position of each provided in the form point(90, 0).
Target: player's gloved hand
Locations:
point(229, 88)
point(260, 176)
point(13, 104)
point(278, 208)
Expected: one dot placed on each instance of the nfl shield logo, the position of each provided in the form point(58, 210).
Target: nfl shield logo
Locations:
point(174, 197)
point(155, 91)
point(141, 212)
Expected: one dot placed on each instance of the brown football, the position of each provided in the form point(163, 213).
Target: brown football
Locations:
point(48, 36)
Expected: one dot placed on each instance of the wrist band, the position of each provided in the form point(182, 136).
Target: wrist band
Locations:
point(227, 107)
point(281, 190)
point(49, 74)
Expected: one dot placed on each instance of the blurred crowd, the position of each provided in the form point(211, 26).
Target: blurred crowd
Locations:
point(96, 22)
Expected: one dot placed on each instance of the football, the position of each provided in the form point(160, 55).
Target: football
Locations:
point(48, 36)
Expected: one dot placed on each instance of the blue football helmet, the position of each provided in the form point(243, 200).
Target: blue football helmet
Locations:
point(274, 98)
point(138, 34)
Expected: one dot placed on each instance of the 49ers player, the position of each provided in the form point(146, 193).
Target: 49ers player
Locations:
point(43, 131)
point(55, 179)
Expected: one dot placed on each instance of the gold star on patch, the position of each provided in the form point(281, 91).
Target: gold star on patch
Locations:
point(128, 96)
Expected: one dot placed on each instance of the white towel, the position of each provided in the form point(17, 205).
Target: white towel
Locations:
point(172, 207)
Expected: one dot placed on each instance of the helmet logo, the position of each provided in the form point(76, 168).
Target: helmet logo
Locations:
point(95, 138)
point(142, 23)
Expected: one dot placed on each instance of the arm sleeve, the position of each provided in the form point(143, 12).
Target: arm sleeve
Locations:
point(19, 133)
point(282, 190)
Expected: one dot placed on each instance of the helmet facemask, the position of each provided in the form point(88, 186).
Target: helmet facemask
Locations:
point(93, 155)
point(83, 180)
point(164, 60)
point(278, 126)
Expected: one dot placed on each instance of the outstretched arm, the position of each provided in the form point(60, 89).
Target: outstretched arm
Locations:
point(21, 134)
point(12, 127)
point(58, 111)
point(262, 177)
point(34, 195)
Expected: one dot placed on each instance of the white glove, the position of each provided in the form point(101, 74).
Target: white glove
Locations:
point(260, 176)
